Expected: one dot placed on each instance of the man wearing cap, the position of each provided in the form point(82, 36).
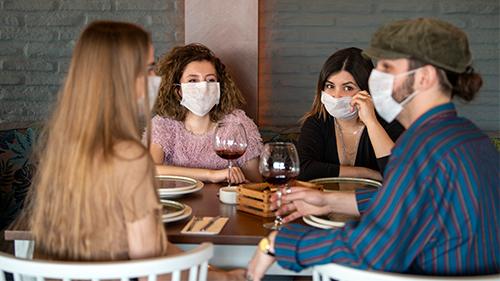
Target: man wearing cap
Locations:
point(438, 210)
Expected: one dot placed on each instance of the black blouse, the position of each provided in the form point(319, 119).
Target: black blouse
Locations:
point(317, 148)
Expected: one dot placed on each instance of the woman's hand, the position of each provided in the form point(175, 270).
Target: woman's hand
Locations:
point(237, 175)
point(301, 201)
point(261, 262)
point(364, 103)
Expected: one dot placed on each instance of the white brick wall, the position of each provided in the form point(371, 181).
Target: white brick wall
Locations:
point(297, 36)
point(38, 36)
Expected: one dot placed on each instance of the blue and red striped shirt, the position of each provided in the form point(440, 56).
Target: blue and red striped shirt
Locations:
point(437, 212)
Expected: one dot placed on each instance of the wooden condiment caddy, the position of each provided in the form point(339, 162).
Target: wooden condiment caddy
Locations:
point(254, 198)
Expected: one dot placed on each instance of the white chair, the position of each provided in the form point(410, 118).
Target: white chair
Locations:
point(344, 273)
point(196, 261)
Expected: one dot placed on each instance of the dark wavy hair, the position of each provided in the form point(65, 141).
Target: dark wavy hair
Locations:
point(350, 60)
point(171, 67)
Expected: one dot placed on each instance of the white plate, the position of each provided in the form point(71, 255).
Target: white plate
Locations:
point(177, 207)
point(170, 184)
point(187, 212)
point(346, 184)
point(175, 194)
point(333, 223)
point(311, 222)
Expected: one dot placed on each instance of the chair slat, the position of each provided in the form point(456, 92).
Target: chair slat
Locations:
point(152, 277)
point(176, 275)
point(193, 273)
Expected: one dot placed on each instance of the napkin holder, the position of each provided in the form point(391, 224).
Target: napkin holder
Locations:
point(255, 198)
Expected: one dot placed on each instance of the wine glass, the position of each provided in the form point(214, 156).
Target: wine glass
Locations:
point(279, 164)
point(230, 142)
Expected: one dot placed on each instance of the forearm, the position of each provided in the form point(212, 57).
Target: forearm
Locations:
point(381, 142)
point(197, 173)
point(342, 202)
point(359, 172)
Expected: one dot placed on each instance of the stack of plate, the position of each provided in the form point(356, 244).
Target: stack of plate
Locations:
point(338, 184)
point(176, 186)
point(174, 211)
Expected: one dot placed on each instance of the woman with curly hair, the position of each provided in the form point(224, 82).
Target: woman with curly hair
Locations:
point(196, 93)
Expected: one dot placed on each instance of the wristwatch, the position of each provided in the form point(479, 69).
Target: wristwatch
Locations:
point(265, 246)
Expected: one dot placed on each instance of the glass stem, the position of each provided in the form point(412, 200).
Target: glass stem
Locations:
point(278, 221)
point(230, 165)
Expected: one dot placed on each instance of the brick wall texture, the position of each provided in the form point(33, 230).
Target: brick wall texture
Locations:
point(37, 38)
point(296, 37)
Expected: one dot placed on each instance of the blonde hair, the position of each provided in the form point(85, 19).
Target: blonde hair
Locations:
point(171, 68)
point(97, 109)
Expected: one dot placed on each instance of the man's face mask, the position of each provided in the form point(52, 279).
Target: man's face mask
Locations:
point(381, 88)
point(338, 107)
point(200, 97)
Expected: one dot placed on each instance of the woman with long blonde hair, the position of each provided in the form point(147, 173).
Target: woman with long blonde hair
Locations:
point(94, 197)
point(94, 191)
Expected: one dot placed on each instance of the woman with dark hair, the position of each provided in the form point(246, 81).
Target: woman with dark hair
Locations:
point(342, 135)
point(195, 94)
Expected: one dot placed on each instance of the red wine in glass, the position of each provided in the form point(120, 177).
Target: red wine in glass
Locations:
point(278, 165)
point(230, 143)
point(279, 179)
point(229, 154)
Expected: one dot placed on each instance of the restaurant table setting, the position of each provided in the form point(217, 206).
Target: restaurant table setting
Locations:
point(175, 186)
point(174, 211)
point(205, 225)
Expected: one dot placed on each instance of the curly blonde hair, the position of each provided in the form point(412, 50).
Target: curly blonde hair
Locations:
point(171, 67)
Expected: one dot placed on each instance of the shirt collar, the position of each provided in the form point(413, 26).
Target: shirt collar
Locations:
point(438, 112)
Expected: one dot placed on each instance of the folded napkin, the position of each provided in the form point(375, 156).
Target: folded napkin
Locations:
point(196, 226)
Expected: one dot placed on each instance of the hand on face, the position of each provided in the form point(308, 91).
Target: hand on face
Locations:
point(299, 202)
point(364, 104)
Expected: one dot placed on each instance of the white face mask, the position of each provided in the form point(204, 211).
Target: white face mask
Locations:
point(153, 87)
point(338, 107)
point(200, 97)
point(141, 109)
point(381, 87)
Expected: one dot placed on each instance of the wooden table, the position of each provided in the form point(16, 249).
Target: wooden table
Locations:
point(234, 245)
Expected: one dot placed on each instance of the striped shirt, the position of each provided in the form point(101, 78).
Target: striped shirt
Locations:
point(437, 213)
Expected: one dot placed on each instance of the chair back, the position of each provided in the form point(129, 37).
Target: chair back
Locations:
point(195, 260)
point(344, 273)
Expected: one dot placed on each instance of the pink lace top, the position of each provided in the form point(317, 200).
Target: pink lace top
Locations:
point(185, 149)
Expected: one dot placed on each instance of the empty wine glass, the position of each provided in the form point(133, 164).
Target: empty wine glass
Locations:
point(278, 165)
point(230, 142)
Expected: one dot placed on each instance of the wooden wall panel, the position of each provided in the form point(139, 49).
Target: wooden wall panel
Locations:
point(230, 29)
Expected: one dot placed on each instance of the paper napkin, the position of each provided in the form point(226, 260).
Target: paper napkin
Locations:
point(197, 227)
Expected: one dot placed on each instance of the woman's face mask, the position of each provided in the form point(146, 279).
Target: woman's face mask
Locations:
point(338, 107)
point(200, 97)
point(153, 88)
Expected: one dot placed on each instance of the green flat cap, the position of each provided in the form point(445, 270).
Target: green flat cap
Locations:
point(430, 40)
